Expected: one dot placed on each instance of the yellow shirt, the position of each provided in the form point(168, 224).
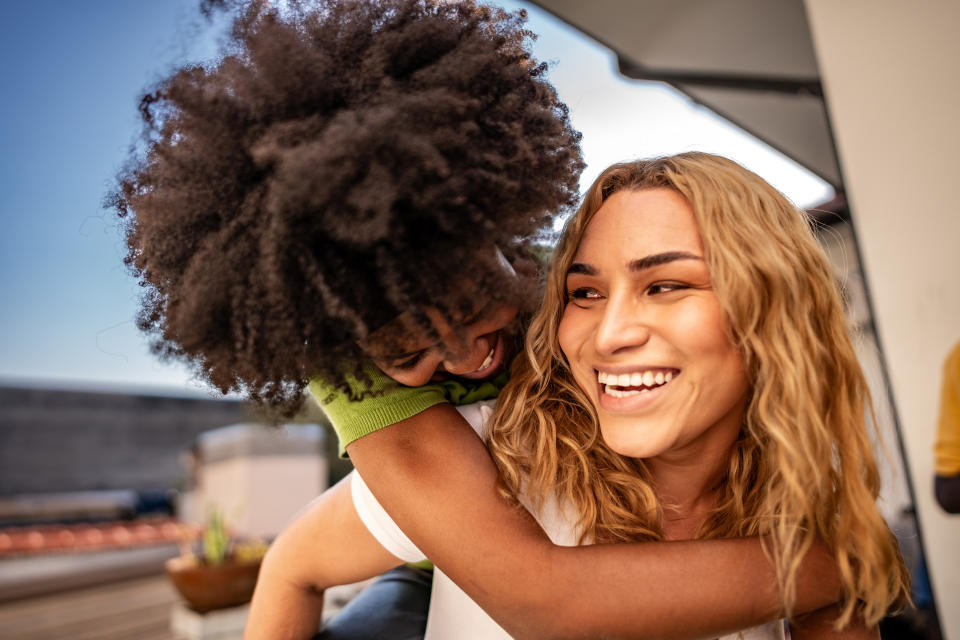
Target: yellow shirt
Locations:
point(947, 447)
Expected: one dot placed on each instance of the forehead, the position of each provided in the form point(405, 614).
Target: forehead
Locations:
point(636, 223)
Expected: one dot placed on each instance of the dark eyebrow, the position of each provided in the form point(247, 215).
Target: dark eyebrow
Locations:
point(647, 262)
point(657, 259)
point(580, 267)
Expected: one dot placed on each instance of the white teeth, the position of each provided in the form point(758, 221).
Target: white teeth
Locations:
point(623, 384)
point(636, 379)
point(622, 393)
point(486, 361)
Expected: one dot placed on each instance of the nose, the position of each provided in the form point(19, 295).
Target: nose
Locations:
point(622, 325)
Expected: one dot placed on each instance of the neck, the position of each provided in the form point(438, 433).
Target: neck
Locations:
point(689, 486)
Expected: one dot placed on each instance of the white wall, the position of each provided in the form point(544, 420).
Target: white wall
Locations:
point(891, 73)
point(260, 495)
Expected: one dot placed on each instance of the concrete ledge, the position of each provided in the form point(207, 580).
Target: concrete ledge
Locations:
point(34, 576)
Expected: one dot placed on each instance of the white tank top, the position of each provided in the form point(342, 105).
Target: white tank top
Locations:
point(453, 614)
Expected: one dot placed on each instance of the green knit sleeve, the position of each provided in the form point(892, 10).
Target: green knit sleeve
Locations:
point(390, 402)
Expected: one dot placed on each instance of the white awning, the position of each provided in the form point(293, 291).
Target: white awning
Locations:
point(750, 61)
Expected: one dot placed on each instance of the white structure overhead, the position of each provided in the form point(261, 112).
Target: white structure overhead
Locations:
point(751, 61)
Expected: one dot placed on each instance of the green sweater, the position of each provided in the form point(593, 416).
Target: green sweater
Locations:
point(393, 402)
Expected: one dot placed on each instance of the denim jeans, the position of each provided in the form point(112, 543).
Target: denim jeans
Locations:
point(392, 608)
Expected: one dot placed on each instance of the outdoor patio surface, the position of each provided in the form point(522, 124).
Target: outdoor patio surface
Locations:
point(43, 598)
point(136, 608)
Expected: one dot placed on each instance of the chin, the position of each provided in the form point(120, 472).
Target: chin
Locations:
point(630, 449)
point(633, 441)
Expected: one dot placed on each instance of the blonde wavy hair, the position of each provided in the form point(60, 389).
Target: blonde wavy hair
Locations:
point(802, 467)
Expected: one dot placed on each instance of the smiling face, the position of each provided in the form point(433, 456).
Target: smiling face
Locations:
point(644, 334)
point(478, 347)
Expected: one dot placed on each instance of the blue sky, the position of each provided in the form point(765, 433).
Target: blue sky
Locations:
point(71, 73)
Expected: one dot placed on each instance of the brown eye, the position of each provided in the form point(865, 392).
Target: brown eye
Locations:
point(666, 287)
point(584, 296)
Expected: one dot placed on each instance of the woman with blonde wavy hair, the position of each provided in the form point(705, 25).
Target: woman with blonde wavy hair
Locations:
point(690, 375)
point(687, 376)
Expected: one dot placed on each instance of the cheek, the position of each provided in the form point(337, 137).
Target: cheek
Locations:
point(415, 377)
point(567, 335)
point(721, 355)
point(501, 319)
point(701, 328)
point(573, 335)
point(404, 376)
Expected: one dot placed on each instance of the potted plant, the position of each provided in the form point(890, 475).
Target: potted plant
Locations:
point(221, 573)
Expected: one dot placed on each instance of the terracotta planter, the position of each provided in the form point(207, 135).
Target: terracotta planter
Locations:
point(210, 587)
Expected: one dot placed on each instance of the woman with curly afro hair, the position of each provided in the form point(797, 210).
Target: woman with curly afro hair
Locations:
point(352, 190)
point(293, 197)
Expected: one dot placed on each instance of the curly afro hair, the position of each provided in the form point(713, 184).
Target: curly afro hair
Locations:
point(345, 161)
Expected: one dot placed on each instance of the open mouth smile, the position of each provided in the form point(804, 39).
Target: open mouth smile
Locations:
point(634, 383)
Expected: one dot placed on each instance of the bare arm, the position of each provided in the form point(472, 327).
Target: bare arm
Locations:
point(436, 479)
point(326, 545)
point(819, 626)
